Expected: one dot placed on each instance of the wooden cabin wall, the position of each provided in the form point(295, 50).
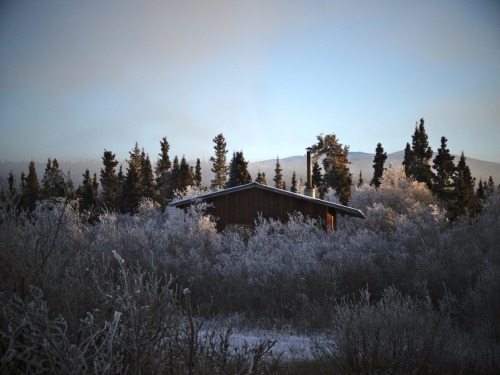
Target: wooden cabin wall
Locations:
point(241, 208)
point(331, 219)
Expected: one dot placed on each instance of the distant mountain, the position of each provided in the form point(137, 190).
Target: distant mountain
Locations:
point(360, 161)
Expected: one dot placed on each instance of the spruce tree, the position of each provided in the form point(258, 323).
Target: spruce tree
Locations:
point(408, 160)
point(169, 182)
point(95, 185)
point(70, 186)
point(481, 191)
point(110, 181)
point(163, 164)
point(197, 173)
point(378, 165)
point(335, 164)
point(53, 182)
point(417, 159)
point(261, 178)
point(22, 190)
point(31, 188)
point(131, 191)
point(360, 179)
point(490, 186)
point(147, 177)
point(186, 175)
point(121, 176)
point(278, 175)
point(293, 188)
point(219, 168)
point(46, 191)
point(442, 180)
point(11, 181)
point(238, 171)
point(87, 193)
point(465, 200)
point(317, 180)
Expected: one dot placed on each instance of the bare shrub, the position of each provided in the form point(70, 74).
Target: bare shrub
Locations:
point(395, 335)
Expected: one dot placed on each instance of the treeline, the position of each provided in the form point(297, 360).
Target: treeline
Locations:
point(452, 183)
point(122, 191)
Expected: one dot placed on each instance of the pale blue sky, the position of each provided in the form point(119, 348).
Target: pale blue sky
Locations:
point(80, 77)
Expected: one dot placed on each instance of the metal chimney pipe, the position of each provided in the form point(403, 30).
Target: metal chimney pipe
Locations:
point(309, 171)
point(309, 190)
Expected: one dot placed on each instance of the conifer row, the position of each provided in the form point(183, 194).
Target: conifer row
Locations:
point(122, 191)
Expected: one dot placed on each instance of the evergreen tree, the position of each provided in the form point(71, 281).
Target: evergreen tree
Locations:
point(408, 160)
point(378, 165)
point(490, 186)
point(110, 181)
point(87, 193)
point(30, 188)
point(46, 191)
point(197, 173)
point(70, 186)
point(53, 182)
point(186, 175)
point(417, 159)
point(481, 191)
point(121, 176)
point(131, 191)
point(293, 188)
point(445, 169)
point(360, 179)
point(219, 168)
point(23, 189)
point(335, 164)
point(147, 177)
point(317, 180)
point(465, 197)
point(169, 182)
point(95, 185)
point(163, 164)
point(261, 178)
point(11, 184)
point(264, 179)
point(238, 171)
point(278, 175)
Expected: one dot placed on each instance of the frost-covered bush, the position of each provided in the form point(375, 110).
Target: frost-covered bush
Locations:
point(396, 335)
point(124, 271)
point(397, 200)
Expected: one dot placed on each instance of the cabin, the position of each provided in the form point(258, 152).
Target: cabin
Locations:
point(241, 205)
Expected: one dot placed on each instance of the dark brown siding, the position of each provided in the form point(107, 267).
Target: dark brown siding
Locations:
point(242, 208)
point(331, 219)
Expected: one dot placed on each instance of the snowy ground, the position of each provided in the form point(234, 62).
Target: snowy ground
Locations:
point(292, 346)
point(287, 345)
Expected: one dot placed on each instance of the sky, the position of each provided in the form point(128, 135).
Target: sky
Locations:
point(78, 78)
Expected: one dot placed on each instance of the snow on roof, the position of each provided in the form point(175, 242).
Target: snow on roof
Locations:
point(339, 207)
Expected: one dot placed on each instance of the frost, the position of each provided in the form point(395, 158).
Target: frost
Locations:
point(111, 297)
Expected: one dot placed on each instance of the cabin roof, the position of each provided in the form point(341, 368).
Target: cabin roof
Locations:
point(345, 210)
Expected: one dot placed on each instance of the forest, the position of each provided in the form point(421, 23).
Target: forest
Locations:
point(107, 278)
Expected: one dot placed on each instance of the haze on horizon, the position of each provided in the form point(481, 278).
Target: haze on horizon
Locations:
point(270, 75)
